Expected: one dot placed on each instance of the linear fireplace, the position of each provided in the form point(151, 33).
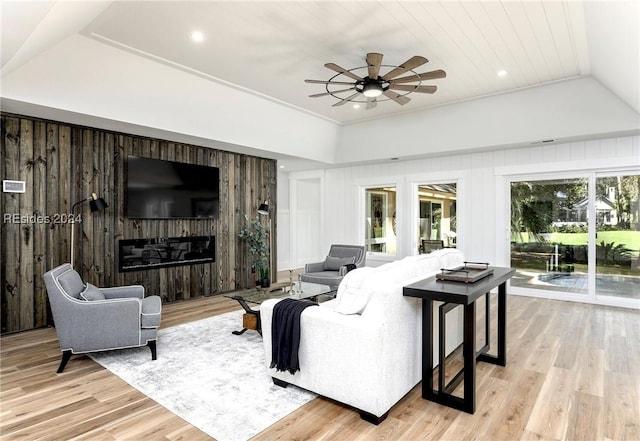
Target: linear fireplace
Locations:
point(150, 253)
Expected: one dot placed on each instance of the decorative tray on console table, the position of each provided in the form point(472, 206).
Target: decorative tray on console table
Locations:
point(470, 272)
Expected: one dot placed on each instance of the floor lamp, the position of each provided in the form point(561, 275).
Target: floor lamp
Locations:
point(95, 204)
point(263, 209)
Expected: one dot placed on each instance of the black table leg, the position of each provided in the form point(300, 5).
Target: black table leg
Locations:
point(468, 373)
point(501, 357)
point(502, 324)
point(427, 350)
point(469, 354)
point(248, 310)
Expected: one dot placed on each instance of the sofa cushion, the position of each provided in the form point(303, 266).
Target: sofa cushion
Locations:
point(151, 308)
point(334, 263)
point(355, 291)
point(91, 293)
point(451, 258)
point(428, 263)
point(398, 271)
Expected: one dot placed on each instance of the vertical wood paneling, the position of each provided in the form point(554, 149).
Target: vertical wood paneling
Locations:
point(25, 282)
point(40, 228)
point(86, 249)
point(63, 203)
point(11, 231)
point(62, 164)
point(110, 224)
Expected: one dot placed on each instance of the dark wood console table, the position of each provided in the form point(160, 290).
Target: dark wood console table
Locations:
point(465, 294)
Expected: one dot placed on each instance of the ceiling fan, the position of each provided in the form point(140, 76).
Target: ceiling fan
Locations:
point(372, 86)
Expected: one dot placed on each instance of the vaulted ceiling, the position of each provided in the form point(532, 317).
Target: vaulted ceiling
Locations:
point(268, 49)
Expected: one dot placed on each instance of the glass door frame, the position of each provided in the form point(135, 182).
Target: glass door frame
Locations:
point(504, 232)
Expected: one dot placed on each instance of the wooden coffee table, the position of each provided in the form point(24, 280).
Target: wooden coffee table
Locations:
point(301, 291)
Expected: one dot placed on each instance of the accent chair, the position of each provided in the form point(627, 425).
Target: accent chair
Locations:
point(90, 319)
point(340, 260)
point(431, 245)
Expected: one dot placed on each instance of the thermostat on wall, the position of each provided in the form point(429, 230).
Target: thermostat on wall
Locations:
point(13, 186)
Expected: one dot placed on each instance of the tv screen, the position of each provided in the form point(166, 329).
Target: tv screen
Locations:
point(159, 189)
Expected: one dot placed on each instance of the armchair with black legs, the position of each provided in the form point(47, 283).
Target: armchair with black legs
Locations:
point(340, 260)
point(90, 319)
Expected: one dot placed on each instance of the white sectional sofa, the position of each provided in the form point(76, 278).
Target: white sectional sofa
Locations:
point(364, 347)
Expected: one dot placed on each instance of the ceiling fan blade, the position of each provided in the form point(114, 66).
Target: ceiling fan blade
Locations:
point(374, 61)
point(331, 93)
point(345, 100)
point(410, 64)
point(343, 71)
point(371, 103)
point(412, 88)
point(433, 75)
point(343, 83)
point(400, 99)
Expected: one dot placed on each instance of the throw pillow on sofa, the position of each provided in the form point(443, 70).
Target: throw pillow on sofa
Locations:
point(355, 291)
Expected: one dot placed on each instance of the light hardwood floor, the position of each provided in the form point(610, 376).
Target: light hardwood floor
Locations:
point(573, 373)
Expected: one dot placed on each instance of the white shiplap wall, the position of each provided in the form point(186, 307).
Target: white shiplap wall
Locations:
point(481, 193)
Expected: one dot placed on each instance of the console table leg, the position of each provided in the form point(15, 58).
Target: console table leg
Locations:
point(487, 319)
point(469, 354)
point(502, 324)
point(427, 349)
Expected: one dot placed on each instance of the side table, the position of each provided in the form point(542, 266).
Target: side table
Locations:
point(465, 294)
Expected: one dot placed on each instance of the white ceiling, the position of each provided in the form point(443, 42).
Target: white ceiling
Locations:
point(270, 48)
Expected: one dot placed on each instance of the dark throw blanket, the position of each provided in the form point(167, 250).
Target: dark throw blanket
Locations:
point(285, 334)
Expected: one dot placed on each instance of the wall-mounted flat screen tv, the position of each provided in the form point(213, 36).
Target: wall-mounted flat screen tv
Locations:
point(159, 189)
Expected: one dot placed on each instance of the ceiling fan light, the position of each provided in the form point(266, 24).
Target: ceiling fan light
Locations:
point(372, 90)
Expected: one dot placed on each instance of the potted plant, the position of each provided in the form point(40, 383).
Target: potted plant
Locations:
point(255, 235)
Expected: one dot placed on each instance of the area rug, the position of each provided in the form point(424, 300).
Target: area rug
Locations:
point(209, 377)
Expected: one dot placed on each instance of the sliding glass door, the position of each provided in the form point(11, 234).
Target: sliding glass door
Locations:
point(577, 235)
point(549, 234)
point(617, 214)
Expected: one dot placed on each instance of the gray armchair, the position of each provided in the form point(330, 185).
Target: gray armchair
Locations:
point(89, 319)
point(430, 245)
point(335, 266)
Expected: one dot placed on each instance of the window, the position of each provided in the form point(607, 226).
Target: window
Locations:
point(380, 220)
point(437, 222)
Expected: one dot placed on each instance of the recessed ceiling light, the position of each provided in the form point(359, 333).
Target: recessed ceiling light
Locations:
point(197, 36)
point(356, 106)
point(502, 73)
point(282, 166)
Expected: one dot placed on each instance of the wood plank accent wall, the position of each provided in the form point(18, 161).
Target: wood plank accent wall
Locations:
point(62, 164)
